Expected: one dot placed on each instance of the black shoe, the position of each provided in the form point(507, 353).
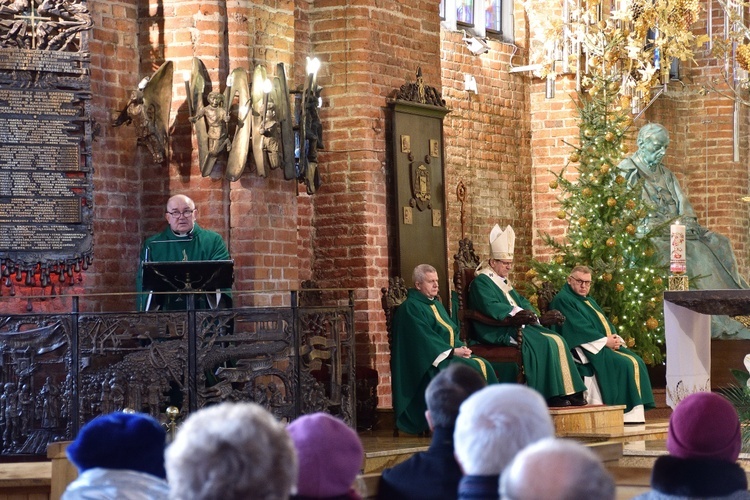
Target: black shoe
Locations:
point(558, 402)
point(577, 399)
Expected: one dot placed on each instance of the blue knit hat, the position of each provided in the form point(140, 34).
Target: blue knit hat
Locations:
point(133, 441)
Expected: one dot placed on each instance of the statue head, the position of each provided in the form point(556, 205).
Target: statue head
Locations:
point(215, 98)
point(653, 140)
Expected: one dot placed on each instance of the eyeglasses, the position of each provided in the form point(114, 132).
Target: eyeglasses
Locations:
point(581, 282)
point(184, 213)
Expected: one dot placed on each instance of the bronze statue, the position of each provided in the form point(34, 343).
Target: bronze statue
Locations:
point(219, 125)
point(709, 254)
point(148, 111)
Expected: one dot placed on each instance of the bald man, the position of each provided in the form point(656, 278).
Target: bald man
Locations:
point(182, 240)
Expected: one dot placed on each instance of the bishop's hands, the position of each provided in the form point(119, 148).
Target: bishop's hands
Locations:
point(524, 317)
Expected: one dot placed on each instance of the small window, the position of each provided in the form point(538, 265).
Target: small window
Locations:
point(493, 16)
point(442, 9)
point(465, 12)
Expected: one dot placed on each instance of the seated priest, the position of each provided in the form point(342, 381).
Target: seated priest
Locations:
point(620, 374)
point(547, 362)
point(425, 340)
point(182, 240)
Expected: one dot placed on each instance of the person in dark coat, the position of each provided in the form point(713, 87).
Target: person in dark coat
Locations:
point(704, 441)
point(434, 474)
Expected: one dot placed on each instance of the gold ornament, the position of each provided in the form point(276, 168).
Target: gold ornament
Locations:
point(559, 259)
point(574, 157)
point(609, 137)
point(582, 221)
point(607, 277)
point(531, 273)
point(625, 101)
point(649, 252)
point(561, 214)
point(604, 169)
point(630, 204)
point(588, 133)
point(620, 287)
point(611, 242)
point(630, 342)
point(586, 192)
point(743, 56)
point(615, 221)
point(658, 281)
point(615, 320)
point(553, 184)
point(611, 202)
point(630, 229)
point(624, 148)
point(620, 179)
point(651, 323)
point(587, 243)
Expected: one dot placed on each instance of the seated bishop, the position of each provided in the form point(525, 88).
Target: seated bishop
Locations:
point(547, 361)
point(620, 374)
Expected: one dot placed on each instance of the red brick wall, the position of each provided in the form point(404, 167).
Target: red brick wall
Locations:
point(501, 143)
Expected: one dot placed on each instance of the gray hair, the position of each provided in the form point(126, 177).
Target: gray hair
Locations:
point(231, 451)
point(571, 471)
point(496, 423)
point(420, 271)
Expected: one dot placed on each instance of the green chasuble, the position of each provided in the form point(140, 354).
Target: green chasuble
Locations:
point(621, 374)
point(166, 246)
point(423, 332)
point(548, 364)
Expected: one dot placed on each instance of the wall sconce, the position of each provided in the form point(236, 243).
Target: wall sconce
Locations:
point(470, 83)
point(476, 46)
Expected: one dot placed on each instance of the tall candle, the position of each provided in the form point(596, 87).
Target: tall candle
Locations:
point(677, 257)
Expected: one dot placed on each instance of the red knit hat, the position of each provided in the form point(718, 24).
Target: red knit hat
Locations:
point(705, 425)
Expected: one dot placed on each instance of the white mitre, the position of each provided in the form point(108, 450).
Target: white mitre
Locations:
point(502, 243)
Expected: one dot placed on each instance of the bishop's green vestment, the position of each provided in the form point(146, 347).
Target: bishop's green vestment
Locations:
point(621, 374)
point(547, 362)
point(423, 335)
point(200, 244)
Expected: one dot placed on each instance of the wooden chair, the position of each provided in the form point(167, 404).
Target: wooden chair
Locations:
point(390, 298)
point(464, 264)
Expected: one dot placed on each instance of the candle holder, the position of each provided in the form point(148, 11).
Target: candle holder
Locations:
point(678, 282)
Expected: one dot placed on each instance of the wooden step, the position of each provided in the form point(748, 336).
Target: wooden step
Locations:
point(587, 420)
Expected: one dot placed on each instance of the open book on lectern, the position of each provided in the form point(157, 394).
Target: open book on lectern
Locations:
point(188, 276)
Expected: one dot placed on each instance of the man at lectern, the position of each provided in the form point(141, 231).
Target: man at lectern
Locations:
point(183, 240)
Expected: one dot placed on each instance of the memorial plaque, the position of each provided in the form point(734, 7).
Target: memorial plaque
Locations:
point(46, 174)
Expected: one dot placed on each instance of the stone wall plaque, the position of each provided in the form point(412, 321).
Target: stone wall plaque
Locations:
point(46, 173)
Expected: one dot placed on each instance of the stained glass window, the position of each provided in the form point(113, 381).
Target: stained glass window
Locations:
point(465, 12)
point(493, 19)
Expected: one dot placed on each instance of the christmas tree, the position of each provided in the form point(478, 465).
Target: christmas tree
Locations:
point(605, 224)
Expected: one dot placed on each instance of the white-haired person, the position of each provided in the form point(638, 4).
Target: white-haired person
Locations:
point(571, 471)
point(493, 425)
point(231, 451)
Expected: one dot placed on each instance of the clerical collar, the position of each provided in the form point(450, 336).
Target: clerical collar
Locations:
point(182, 235)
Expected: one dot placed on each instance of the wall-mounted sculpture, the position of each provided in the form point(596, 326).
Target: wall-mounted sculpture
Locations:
point(148, 111)
point(219, 119)
point(310, 130)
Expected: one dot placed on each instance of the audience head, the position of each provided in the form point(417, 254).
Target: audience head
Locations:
point(704, 425)
point(495, 423)
point(132, 441)
point(329, 453)
point(426, 280)
point(231, 451)
point(447, 390)
point(571, 471)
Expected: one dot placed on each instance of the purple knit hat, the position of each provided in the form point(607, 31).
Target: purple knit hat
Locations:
point(705, 425)
point(329, 453)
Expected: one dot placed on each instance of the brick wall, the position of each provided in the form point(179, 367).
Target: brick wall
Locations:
point(501, 143)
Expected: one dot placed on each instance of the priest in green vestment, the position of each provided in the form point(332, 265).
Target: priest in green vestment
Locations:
point(425, 340)
point(182, 240)
point(547, 362)
point(620, 374)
